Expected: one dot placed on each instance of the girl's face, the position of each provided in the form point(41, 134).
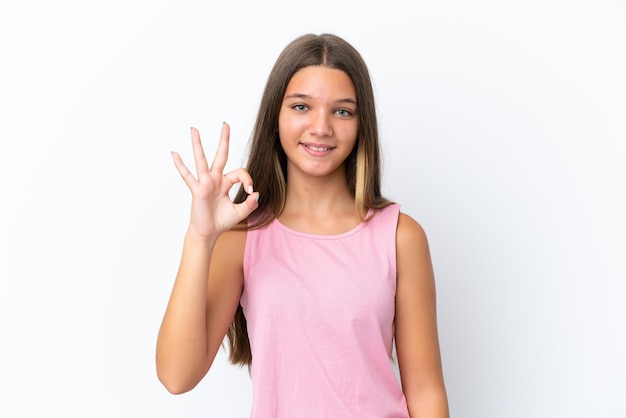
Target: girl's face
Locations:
point(318, 122)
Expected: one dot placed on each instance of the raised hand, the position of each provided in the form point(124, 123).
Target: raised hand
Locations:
point(212, 210)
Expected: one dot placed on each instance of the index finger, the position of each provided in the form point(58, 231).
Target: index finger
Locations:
point(221, 155)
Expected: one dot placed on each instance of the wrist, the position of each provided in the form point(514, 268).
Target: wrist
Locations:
point(193, 236)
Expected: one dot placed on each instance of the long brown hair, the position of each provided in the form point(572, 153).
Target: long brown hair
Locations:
point(267, 162)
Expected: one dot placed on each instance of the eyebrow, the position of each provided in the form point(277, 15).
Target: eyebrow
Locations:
point(306, 96)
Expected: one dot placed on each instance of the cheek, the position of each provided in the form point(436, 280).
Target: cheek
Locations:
point(290, 126)
point(349, 132)
point(283, 134)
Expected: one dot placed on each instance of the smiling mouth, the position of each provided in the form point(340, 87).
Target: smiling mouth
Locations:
point(318, 148)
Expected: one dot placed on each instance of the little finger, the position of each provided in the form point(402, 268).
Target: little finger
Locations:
point(184, 172)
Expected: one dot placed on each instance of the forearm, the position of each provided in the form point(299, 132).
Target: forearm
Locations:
point(433, 404)
point(182, 355)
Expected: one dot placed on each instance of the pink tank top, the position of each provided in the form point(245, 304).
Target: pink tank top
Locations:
point(320, 312)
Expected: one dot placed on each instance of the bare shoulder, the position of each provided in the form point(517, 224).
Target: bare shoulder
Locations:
point(413, 259)
point(233, 239)
point(410, 235)
point(229, 248)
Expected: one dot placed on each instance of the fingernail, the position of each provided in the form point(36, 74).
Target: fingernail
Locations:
point(250, 189)
point(258, 195)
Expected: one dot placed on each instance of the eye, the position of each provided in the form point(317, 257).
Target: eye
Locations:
point(300, 107)
point(343, 112)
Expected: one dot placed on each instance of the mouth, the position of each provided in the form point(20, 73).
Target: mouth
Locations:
point(317, 148)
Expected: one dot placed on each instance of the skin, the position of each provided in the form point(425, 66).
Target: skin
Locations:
point(318, 112)
point(417, 342)
point(199, 310)
point(318, 128)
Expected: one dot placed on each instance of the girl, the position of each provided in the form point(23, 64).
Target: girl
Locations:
point(311, 273)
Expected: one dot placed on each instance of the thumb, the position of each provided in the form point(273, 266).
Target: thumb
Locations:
point(245, 208)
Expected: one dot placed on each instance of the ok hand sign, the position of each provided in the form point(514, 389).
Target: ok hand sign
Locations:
point(212, 211)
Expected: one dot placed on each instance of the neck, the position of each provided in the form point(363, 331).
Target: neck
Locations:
point(318, 196)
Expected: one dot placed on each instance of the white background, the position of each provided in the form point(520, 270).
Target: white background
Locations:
point(504, 130)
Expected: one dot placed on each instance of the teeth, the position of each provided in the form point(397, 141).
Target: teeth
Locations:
point(319, 149)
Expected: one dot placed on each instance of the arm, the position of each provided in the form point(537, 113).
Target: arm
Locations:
point(417, 342)
point(210, 279)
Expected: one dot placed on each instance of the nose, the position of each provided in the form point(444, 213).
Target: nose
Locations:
point(321, 123)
